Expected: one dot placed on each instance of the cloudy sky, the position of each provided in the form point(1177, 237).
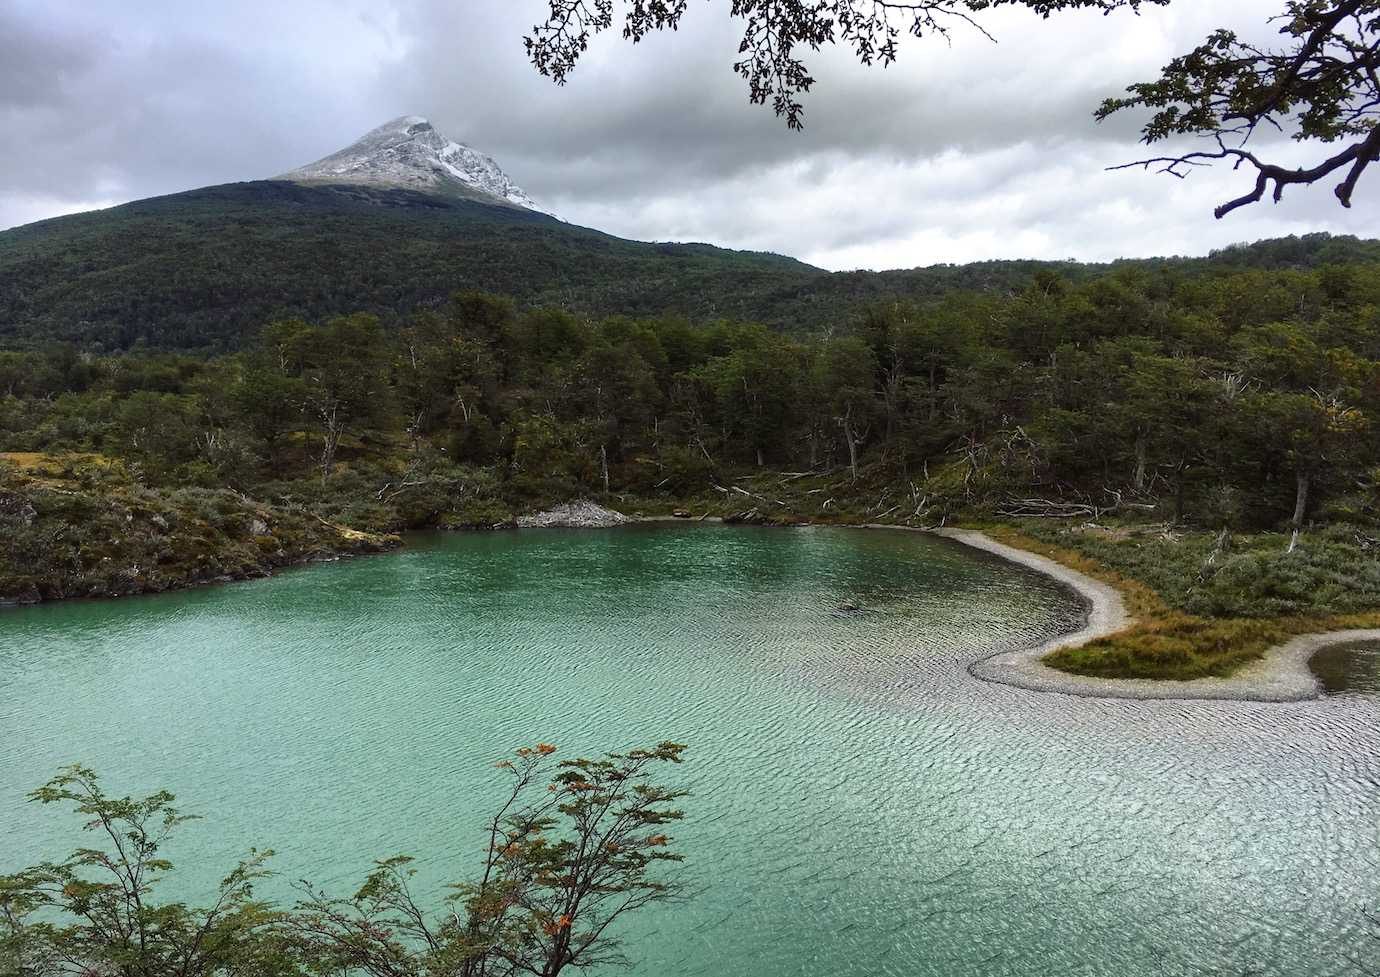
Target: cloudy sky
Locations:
point(961, 151)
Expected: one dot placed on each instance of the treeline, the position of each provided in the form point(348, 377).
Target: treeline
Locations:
point(203, 271)
point(1241, 398)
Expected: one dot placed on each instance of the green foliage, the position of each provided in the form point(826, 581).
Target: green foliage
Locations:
point(1226, 575)
point(1320, 86)
point(205, 270)
point(561, 866)
point(83, 528)
point(97, 912)
point(774, 32)
point(1181, 648)
point(1204, 396)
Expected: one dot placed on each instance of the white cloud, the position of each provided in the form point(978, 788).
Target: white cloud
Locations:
point(958, 152)
point(17, 209)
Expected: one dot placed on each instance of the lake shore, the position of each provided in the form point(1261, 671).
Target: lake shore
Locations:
point(1281, 675)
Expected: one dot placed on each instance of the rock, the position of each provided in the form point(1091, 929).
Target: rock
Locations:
point(257, 527)
point(848, 610)
point(681, 514)
point(573, 515)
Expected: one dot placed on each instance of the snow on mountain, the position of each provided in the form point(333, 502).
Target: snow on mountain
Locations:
point(410, 153)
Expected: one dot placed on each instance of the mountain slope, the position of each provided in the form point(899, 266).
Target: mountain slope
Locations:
point(409, 154)
point(402, 218)
point(199, 270)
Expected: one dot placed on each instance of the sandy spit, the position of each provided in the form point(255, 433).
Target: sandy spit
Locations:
point(1281, 675)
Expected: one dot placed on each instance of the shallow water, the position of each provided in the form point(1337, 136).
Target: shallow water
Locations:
point(862, 805)
point(1349, 669)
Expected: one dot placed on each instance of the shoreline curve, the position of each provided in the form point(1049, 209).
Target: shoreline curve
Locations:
point(1280, 675)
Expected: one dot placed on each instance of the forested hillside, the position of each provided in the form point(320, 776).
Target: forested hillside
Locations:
point(1207, 427)
point(203, 270)
point(1240, 398)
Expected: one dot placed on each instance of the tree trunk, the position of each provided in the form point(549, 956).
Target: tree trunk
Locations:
point(1302, 480)
point(852, 444)
point(604, 460)
point(331, 431)
point(1138, 479)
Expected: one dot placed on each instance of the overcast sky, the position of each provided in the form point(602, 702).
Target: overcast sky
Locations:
point(959, 152)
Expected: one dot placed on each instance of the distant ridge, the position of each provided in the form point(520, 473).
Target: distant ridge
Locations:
point(409, 154)
point(385, 231)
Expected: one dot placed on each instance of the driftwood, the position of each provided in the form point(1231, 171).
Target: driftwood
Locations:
point(1060, 509)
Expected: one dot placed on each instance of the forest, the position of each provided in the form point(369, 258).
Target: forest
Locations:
point(203, 271)
point(1179, 422)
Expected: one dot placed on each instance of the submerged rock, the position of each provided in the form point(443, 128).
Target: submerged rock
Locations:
point(573, 515)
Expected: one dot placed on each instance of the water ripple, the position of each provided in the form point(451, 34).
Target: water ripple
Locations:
point(862, 806)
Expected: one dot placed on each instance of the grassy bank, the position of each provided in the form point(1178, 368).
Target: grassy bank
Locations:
point(81, 526)
point(1207, 604)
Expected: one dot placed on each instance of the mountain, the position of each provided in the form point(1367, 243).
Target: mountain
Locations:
point(409, 154)
point(403, 218)
point(201, 270)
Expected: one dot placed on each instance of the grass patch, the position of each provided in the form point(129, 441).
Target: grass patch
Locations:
point(1206, 605)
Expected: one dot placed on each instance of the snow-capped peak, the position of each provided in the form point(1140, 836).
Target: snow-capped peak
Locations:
point(408, 152)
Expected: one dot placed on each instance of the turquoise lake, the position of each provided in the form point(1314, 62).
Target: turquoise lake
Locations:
point(861, 805)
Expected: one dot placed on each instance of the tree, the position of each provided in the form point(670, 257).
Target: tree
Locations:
point(1310, 435)
point(268, 403)
point(755, 392)
point(775, 30)
point(845, 371)
point(1321, 85)
point(559, 870)
point(618, 397)
point(561, 866)
point(96, 913)
point(1177, 403)
point(158, 429)
point(343, 380)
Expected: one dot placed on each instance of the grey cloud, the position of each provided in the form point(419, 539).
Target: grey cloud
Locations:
point(957, 152)
point(36, 62)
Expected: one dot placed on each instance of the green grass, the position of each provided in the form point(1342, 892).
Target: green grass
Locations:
point(1206, 605)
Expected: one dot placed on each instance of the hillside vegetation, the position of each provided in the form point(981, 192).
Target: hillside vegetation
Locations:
point(204, 270)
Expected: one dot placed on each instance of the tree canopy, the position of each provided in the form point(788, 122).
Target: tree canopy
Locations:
point(1319, 85)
